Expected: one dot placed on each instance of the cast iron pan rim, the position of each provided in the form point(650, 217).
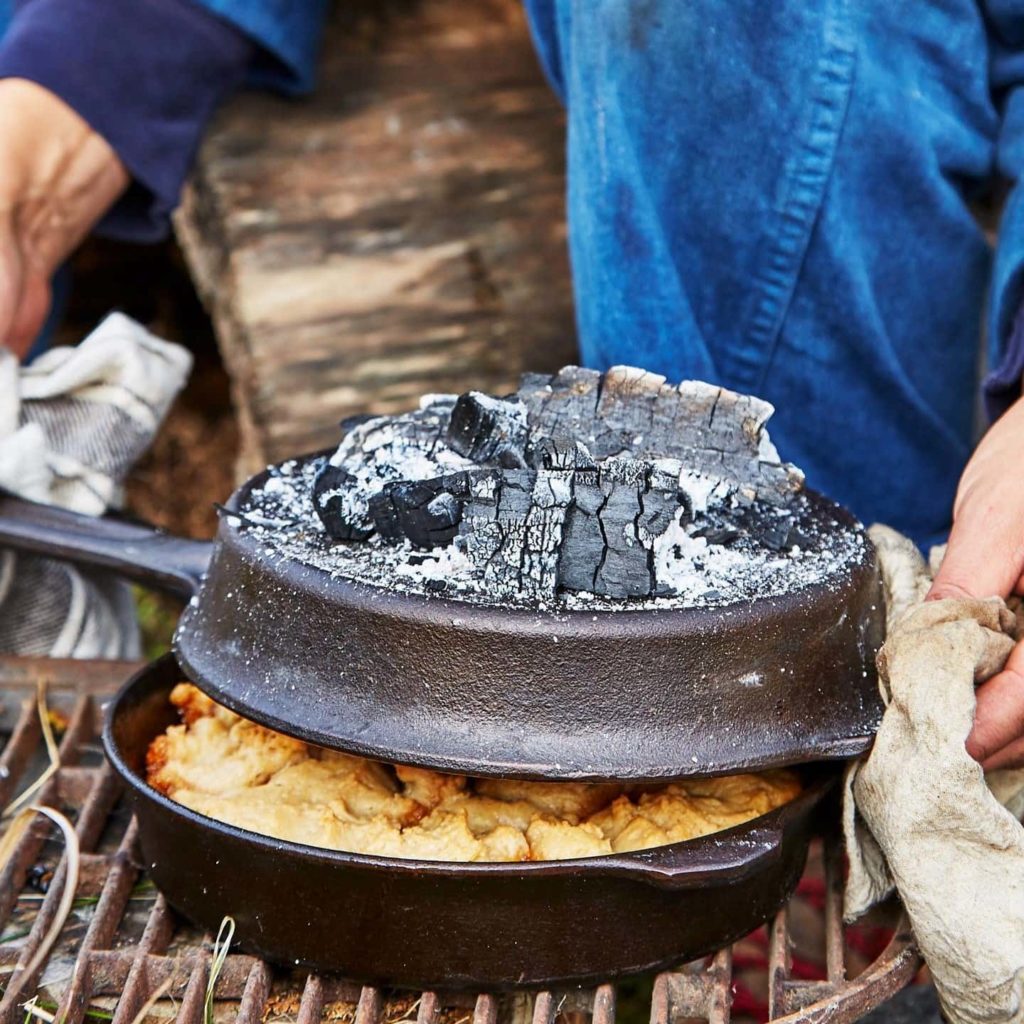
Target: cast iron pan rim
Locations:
point(484, 618)
point(634, 863)
point(800, 752)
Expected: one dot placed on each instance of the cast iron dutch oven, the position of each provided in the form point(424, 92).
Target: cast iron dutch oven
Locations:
point(463, 687)
point(433, 924)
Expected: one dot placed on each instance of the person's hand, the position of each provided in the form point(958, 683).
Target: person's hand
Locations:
point(57, 179)
point(985, 557)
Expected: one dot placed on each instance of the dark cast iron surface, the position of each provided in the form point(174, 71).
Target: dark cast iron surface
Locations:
point(495, 925)
point(653, 694)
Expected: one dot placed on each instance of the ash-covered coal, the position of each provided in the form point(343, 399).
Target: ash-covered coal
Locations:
point(581, 491)
point(616, 485)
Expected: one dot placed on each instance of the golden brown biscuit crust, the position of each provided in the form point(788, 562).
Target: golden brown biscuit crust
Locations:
point(238, 772)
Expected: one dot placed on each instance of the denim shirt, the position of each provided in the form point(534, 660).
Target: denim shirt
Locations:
point(774, 197)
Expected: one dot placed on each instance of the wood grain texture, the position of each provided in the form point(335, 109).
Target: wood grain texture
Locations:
point(400, 232)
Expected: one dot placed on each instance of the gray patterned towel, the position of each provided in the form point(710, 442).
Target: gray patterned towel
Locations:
point(71, 426)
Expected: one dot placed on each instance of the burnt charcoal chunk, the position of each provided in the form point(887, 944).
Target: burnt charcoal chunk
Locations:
point(721, 535)
point(778, 532)
point(555, 455)
point(424, 512)
point(564, 405)
point(633, 414)
point(513, 528)
point(349, 423)
point(603, 549)
point(487, 429)
point(626, 570)
point(583, 543)
point(607, 545)
point(329, 488)
point(658, 510)
point(775, 536)
point(770, 531)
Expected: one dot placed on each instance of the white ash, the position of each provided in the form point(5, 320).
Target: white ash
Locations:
point(701, 573)
point(703, 489)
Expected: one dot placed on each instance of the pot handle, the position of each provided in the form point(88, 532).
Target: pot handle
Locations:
point(134, 550)
point(717, 859)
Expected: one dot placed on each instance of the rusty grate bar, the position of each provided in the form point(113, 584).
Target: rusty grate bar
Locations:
point(124, 944)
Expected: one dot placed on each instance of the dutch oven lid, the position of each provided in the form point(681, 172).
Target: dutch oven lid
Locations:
point(678, 603)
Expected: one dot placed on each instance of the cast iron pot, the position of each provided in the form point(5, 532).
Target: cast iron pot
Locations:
point(457, 686)
point(431, 924)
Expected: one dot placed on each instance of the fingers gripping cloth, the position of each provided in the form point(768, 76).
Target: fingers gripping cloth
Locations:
point(920, 816)
point(71, 426)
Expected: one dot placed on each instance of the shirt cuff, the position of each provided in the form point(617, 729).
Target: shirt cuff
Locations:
point(146, 74)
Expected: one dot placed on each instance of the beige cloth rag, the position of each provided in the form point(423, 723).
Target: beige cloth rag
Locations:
point(920, 816)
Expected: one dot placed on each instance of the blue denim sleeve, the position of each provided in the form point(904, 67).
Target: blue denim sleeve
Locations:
point(146, 74)
point(1005, 322)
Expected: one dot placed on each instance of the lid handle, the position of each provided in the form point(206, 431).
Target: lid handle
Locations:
point(134, 550)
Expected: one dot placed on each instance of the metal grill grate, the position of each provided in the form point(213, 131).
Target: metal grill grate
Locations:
point(124, 945)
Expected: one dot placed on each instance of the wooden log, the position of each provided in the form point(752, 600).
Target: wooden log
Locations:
point(398, 233)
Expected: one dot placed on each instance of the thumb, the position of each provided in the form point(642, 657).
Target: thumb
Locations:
point(31, 314)
point(980, 558)
point(12, 278)
point(25, 294)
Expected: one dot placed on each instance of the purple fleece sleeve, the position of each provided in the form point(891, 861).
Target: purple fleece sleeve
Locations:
point(146, 74)
point(1003, 385)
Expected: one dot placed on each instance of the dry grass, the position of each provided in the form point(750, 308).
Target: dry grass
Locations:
point(283, 1008)
point(22, 814)
point(221, 947)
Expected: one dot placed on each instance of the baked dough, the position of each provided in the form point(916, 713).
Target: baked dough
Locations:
point(238, 772)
